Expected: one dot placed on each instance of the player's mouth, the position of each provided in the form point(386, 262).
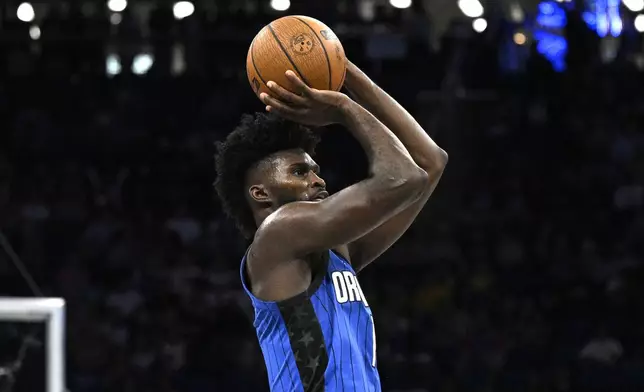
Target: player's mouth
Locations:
point(320, 196)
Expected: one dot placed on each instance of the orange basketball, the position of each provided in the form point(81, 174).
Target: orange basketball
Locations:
point(301, 44)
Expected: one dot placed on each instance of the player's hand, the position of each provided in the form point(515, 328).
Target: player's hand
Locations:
point(305, 105)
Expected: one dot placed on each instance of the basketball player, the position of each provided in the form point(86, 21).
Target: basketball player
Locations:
point(313, 321)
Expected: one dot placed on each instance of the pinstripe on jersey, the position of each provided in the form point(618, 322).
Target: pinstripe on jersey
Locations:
point(322, 339)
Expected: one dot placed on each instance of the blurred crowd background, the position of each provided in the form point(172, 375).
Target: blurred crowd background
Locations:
point(524, 273)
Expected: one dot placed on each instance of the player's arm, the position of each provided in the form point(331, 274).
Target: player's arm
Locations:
point(431, 158)
point(395, 182)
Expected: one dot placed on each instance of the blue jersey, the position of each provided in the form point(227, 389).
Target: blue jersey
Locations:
point(322, 339)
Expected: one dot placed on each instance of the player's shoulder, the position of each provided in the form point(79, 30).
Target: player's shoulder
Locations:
point(286, 218)
point(278, 226)
point(343, 251)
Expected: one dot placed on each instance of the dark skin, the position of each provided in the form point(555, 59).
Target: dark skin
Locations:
point(423, 150)
point(361, 221)
point(290, 176)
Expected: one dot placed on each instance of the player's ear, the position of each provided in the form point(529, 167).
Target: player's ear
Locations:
point(259, 193)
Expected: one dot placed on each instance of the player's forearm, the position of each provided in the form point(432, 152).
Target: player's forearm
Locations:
point(388, 157)
point(421, 147)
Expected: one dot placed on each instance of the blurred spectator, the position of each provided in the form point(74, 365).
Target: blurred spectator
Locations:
point(603, 348)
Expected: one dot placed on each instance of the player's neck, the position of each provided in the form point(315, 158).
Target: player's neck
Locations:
point(261, 215)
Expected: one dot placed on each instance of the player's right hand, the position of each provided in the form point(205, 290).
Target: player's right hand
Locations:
point(305, 105)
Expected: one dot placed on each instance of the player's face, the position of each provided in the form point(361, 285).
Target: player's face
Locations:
point(295, 177)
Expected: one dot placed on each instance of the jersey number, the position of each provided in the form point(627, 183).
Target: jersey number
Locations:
point(373, 352)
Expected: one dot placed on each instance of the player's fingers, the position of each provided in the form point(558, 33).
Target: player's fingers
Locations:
point(284, 114)
point(287, 113)
point(300, 86)
point(281, 108)
point(284, 95)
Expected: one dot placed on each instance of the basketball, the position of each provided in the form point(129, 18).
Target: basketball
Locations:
point(299, 43)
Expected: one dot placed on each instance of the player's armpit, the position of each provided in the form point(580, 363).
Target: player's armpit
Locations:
point(301, 228)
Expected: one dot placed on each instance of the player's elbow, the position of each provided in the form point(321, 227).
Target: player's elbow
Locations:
point(439, 165)
point(395, 189)
point(435, 168)
point(442, 158)
point(414, 183)
point(422, 181)
point(433, 163)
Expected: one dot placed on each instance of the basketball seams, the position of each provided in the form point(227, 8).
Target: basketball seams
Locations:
point(328, 61)
point(344, 76)
point(290, 36)
point(252, 59)
point(288, 56)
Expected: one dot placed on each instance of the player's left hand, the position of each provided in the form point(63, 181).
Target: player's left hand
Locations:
point(353, 76)
point(306, 105)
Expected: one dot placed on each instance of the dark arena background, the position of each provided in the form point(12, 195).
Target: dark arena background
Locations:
point(524, 272)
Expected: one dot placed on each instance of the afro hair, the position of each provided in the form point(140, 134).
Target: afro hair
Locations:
point(255, 138)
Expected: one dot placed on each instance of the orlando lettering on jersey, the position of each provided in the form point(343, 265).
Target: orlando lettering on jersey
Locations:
point(321, 340)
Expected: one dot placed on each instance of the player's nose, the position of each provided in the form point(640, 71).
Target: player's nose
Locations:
point(317, 181)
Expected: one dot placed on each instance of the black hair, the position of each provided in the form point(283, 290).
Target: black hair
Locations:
point(255, 138)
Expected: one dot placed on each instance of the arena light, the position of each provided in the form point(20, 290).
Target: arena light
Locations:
point(634, 5)
point(142, 63)
point(117, 5)
point(400, 3)
point(639, 23)
point(519, 38)
point(183, 9)
point(116, 18)
point(280, 5)
point(479, 25)
point(471, 8)
point(614, 17)
point(178, 62)
point(26, 12)
point(112, 65)
point(516, 13)
point(34, 32)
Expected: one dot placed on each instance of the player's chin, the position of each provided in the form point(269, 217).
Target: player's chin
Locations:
point(306, 197)
point(316, 198)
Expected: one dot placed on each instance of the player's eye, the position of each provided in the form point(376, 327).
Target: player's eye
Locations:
point(300, 171)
